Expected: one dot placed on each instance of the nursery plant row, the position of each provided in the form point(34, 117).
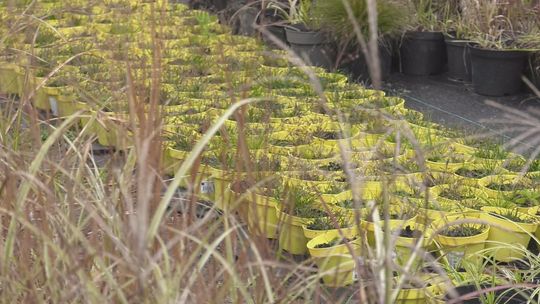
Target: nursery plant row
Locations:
point(427, 37)
point(324, 166)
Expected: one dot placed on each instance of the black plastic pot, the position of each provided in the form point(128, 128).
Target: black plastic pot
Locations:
point(507, 296)
point(358, 68)
point(459, 60)
point(245, 20)
point(423, 53)
point(533, 71)
point(277, 32)
point(497, 72)
point(314, 46)
point(271, 20)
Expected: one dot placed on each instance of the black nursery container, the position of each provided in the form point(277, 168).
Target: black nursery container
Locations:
point(277, 32)
point(358, 68)
point(423, 53)
point(497, 72)
point(459, 60)
point(313, 45)
point(272, 22)
point(469, 294)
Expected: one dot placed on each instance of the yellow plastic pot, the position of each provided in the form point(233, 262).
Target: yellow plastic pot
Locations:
point(27, 83)
point(343, 95)
point(366, 139)
point(471, 181)
point(428, 215)
point(446, 166)
point(333, 198)
point(291, 234)
point(262, 217)
point(344, 136)
point(503, 179)
point(314, 154)
point(426, 295)
point(393, 224)
point(168, 164)
point(8, 78)
point(458, 251)
point(174, 157)
point(471, 195)
point(404, 245)
point(114, 132)
point(336, 263)
point(537, 232)
point(295, 138)
point(316, 180)
point(172, 161)
point(348, 232)
point(222, 195)
point(504, 231)
point(68, 105)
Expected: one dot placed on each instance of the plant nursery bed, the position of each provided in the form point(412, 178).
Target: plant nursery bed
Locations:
point(274, 190)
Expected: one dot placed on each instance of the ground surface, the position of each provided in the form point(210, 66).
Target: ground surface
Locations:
point(456, 105)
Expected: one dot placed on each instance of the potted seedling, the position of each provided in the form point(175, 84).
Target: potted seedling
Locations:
point(397, 215)
point(462, 239)
point(492, 152)
point(305, 38)
point(407, 238)
point(402, 169)
point(432, 179)
point(271, 18)
point(445, 159)
point(350, 207)
point(418, 289)
point(511, 227)
point(221, 168)
point(251, 115)
point(456, 33)
point(458, 195)
point(285, 142)
point(422, 49)
point(315, 153)
point(296, 208)
point(332, 134)
point(333, 17)
point(498, 186)
point(331, 223)
point(349, 94)
point(518, 165)
point(262, 216)
point(373, 131)
point(335, 257)
point(502, 40)
point(471, 173)
point(526, 200)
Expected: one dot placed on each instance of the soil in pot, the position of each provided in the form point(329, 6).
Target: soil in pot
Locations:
point(463, 230)
point(506, 186)
point(496, 72)
point(423, 53)
point(517, 165)
point(473, 173)
point(513, 215)
point(457, 194)
point(408, 232)
point(328, 135)
point(334, 242)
